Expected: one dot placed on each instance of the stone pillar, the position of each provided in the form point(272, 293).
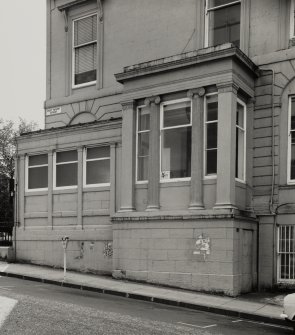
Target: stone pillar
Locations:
point(113, 179)
point(128, 157)
point(80, 188)
point(196, 190)
point(50, 186)
point(226, 154)
point(153, 202)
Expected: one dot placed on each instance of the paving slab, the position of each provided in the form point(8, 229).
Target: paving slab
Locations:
point(259, 307)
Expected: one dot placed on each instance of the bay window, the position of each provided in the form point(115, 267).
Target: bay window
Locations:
point(175, 139)
point(66, 169)
point(240, 140)
point(84, 50)
point(142, 144)
point(37, 172)
point(97, 166)
point(223, 19)
point(211, 129)
point(291, 141)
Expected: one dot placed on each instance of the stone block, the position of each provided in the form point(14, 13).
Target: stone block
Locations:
point(157, 254)
point(137, 275)
point(158, 277)
point(200, 282)
point(163, 266)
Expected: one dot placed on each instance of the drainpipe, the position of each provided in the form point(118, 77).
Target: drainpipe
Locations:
point(271, 198)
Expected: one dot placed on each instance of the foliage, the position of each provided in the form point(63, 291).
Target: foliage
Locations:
point(8, 135)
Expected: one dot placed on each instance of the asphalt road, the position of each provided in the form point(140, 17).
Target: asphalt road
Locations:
point(37, 308)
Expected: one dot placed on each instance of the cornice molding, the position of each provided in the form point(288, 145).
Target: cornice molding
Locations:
point(186, 59)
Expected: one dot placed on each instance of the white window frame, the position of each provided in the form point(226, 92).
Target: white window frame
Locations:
point(85, 160)
point(280, 253)
point(213, 175)
point(162, 105)
point(289, 180)
point(35, 166)
point(245, 139)
point(292, 8)
point(63, 163)
point(141, 131)
point(207, 12)
point(90, 83)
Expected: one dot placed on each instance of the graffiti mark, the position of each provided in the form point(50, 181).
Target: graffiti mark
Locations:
point(202, 246)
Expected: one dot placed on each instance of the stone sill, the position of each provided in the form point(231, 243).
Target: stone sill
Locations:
point(183, 215)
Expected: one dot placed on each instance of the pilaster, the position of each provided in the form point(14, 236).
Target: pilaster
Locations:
point(21, 190)
point(153, 202)
point(226, 139)
point(128, 157)
point(196, 189)
point(113, 179)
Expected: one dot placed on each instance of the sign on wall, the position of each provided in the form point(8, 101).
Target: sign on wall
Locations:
point(53, 111)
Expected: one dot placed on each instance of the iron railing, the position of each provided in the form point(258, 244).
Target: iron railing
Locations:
point(6, 229)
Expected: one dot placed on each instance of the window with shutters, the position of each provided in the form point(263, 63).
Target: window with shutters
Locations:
point(223, 21)
point(37, 172)
point(84, 50)
point(291, 141)
point(97, 166)
point(65, 169)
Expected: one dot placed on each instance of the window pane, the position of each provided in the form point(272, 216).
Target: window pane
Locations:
point(143, 144)
point(212, 108)
point(98, 172)
point(85, 64)
point(240, 115)
point(240, 147)
point(142, 168)
point(211, 161)
point(85, 30)
point(66, 156)
point(66, 174)
point(292, 174)
point(224, 25)
point(38, 177)
point(38, 160)
point(293, 114)
point(177, 114)
point(98, 152)
point(143, 119)
point(176, 153)
point(211, 135)
point(215, 3)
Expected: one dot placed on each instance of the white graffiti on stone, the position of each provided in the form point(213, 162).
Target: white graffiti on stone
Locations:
point(202, 246)
point(108, 249)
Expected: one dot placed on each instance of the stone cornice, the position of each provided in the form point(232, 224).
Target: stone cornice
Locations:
point(105, 124)
point(186, 59)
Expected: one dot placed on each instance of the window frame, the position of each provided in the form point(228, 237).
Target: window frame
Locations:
point(85, 160)
point(213, 175)
point(165, 103)
point(73, 47)
point(280, 253)
point(207, 12)
point(27, 189)
point(241, 102)
point(137, 132)
point(289, 180)
point(71, 187)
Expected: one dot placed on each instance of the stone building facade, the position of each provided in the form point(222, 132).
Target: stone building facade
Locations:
point(167, 154)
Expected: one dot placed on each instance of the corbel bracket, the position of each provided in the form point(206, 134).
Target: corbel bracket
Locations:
point(65, 14)
point(100, 10)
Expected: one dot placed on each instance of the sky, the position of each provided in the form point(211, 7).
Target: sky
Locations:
point(22, 59)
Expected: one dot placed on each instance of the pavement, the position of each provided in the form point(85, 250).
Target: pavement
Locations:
point(262, 307)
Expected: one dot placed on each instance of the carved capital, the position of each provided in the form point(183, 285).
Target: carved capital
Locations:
point(227, 87)
point(127, 105)
point(200, 91)
point(152, 100)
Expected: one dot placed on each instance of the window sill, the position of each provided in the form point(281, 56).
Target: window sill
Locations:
point(65, 190)
point(36, 192)
point(96, 188)
point(174, 183)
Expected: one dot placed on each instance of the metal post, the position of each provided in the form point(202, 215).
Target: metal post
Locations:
point(64, 241)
